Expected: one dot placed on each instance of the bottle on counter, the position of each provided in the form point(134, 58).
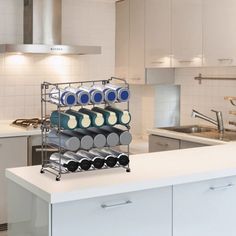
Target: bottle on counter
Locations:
point(62, 97)
point(109, 116)
point(82, 96)
point(123, 158)
point(110, 95)
point(110, 159)
point(96, 96)
point(123, 93)
point(125, 136)
point(112, 138)
point(84, 162)
point(83, 120)
point(65, 161)
point(96, 118)
point(99, 140)
point(124, 117)
point(97, 161)
point(62, 140)
point(86, 141)
point(63, 120)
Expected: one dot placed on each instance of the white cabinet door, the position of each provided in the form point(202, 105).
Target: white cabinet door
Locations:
point(122, 39)
point(136, 42)
point(219, 32)
point(158, 33)
point(132, 214)
point(13, 153)
point(187, 33)
point(205, 208)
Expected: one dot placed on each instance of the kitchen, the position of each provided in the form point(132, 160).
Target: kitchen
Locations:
point(160, 47)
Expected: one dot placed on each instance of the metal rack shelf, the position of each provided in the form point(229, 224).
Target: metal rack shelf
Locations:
point(47, 165)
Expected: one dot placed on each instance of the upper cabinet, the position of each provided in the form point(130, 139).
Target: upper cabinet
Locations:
point(157, 33)
point(187, 33)
point(173, 33)
point(219, 33)
point(122, 39)
point(136, 42)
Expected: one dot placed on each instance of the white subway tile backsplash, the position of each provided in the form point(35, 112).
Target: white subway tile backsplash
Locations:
point(209, 95)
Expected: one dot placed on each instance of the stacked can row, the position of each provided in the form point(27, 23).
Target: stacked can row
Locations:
point(83, 95)
point(89, 138)
point(84, 118)
point(85, 160)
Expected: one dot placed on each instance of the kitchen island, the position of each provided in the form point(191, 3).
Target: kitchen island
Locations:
point(181, 192)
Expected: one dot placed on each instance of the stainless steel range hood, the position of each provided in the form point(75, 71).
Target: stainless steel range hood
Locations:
point(42, 31)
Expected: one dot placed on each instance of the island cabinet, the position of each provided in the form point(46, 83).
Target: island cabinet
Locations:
point(137, 213)
point(206, 208)
point(13, 153)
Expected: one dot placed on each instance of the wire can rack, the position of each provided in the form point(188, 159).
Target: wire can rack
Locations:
point(47, 105)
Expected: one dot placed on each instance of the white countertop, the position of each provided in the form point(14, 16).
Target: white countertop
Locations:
point(8, 130)
point(148, 171)
point(184, 136)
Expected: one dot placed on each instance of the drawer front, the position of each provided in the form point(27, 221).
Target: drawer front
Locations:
point(137, 213)
point(159, 143)
point(186, 145)
point(206, 208)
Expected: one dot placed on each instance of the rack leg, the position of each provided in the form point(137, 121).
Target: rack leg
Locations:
point(58, 178)
point(42, 171)
point(128, 170)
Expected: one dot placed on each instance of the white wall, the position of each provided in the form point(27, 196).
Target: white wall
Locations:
point(87, 22)
point(209, 95)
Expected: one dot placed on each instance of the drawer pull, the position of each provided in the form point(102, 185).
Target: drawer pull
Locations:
point(162, 144)
point(221, 187)
point(185, 61)
point(230, 60)
point(106, 206)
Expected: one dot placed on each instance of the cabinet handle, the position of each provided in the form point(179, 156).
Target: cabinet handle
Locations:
point(230, 60)
point(185, 61)
point(221, 187)
point(106, 206)
point(157, 62)
point(46, 149)
point(162, 144)
point(136, 79)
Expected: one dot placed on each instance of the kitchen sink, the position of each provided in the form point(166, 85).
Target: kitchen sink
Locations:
point(205, 132)
point(190, 129)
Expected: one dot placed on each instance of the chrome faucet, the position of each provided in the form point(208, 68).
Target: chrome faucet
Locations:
point(218, 122)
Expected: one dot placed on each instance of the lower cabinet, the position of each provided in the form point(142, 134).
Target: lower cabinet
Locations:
point(147, 212)
point(187, 144)
point(206, 208)
point(159, 143)
point(13, 153)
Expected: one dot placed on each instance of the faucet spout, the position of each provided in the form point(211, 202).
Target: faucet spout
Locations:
point(218, 122)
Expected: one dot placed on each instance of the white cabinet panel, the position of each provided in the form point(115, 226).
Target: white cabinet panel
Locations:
point(219, 32)
point(138, 213)
point(13, 153)
point(187, 33)
point(122, 39)
point(205, 208)
point(157, 33)
point(136, 42)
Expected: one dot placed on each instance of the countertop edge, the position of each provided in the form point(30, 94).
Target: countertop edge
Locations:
point(119, 189)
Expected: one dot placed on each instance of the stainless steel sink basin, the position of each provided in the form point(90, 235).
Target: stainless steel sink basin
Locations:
point(190, 129)
point(205, 132)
